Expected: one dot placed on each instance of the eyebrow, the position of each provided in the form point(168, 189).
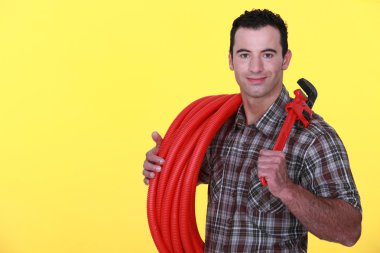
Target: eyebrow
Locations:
point(243, 50)
point(263, 51)
point(269, 50)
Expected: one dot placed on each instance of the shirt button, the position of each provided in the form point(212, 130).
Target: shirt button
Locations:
point(229, 221)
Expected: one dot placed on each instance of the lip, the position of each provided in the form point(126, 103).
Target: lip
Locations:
point(256, 80)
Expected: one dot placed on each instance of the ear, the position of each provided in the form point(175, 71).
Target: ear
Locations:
point(287, 58)
point(230, 62)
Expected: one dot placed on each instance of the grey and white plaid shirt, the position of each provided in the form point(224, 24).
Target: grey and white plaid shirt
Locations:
point(242, 215)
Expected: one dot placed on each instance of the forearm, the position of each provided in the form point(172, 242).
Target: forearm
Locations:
point(328, 219)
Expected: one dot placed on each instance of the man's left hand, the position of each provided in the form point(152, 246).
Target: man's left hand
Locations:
point(272, 166)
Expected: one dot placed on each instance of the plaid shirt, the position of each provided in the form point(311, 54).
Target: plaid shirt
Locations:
point(242, 215)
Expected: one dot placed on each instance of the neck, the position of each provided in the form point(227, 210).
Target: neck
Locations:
point(255, 108)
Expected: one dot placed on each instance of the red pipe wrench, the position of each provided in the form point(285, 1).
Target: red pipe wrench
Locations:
point(299, 112)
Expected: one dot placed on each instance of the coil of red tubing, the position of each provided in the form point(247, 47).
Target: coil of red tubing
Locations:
point(171, 194)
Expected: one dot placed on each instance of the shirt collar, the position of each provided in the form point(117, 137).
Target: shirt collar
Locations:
point(268, 123)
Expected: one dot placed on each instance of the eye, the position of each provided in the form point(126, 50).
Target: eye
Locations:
point(244, 56)
point(268, 55)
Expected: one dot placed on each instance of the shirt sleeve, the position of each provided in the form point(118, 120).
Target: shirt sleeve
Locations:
point(327, 170)
point(204, 172)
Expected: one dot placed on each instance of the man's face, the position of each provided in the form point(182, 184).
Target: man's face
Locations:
point(258, 62)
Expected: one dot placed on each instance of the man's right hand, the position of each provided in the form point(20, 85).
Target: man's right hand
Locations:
point(153, 163)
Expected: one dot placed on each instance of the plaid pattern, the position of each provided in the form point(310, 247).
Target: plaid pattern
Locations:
point(243, 216)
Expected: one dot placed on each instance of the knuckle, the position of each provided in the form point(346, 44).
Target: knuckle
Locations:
point(150, 152)
point(147, 174)
point(150, 158)
point(147, 165)
point(153, 159)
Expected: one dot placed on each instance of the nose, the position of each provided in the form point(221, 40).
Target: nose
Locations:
point(256, 65)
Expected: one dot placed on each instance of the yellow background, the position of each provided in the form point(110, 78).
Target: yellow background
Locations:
point(84, 83)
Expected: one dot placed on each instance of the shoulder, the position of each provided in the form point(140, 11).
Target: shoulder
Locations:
point(318, 126)
point(319, 129)
point(323, 142)
point(319, 139)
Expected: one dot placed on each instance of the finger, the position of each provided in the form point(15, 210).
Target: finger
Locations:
point(149, 174)
point(146, 181)
point(268, 160)
point(151, 167)
point(157, 138)
point(270, 156)
point(153, 158)
point(267, 152)
point(264, 167)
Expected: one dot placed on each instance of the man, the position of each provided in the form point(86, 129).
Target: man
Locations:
point(310, 185)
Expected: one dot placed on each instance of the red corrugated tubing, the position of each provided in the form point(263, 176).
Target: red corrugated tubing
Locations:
point(171, 195)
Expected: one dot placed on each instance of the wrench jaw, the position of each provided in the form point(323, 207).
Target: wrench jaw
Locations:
point(304, 115)
point(310, 91)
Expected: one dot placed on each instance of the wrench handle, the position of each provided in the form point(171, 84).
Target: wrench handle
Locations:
point(286, 128)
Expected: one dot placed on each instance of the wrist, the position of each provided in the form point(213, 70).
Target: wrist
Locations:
point(288, 193)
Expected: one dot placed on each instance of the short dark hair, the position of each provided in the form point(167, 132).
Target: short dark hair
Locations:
point(256, 19)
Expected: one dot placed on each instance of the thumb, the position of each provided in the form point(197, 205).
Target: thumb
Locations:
point(157, 138)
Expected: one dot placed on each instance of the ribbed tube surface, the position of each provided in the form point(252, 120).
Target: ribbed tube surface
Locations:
point(171, 195)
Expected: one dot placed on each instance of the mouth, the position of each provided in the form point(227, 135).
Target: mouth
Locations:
point(256, 80)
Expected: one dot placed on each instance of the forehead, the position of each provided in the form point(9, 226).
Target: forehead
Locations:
point(257, 39)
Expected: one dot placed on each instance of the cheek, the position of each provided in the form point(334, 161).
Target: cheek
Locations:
point(241, 63)
point(241, 69)
point(237, 75)
point(274, 68)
